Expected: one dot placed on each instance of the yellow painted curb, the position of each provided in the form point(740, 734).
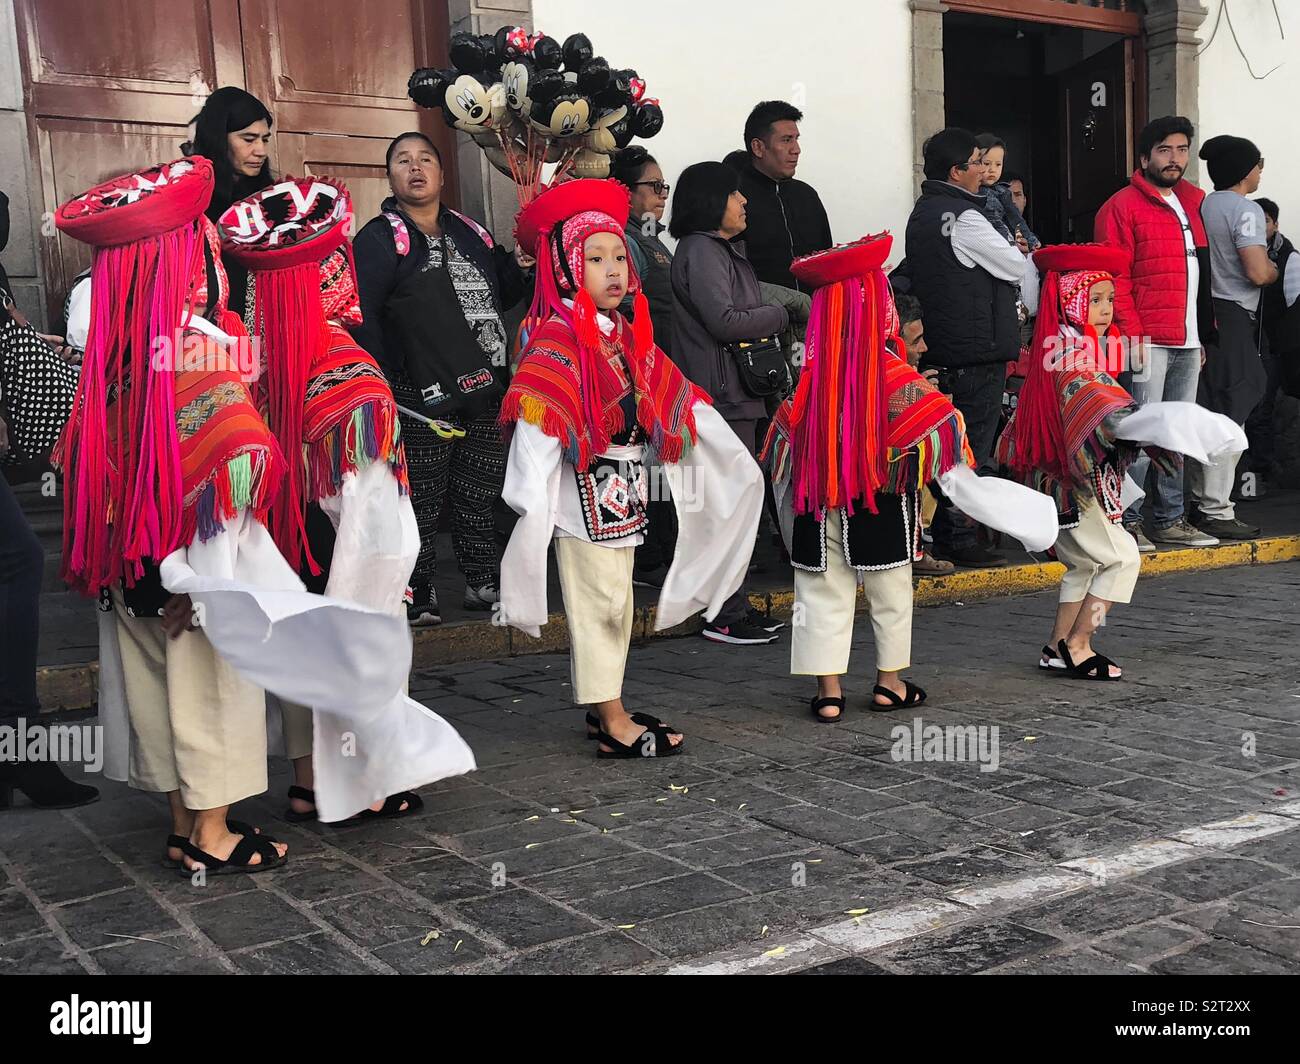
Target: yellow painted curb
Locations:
point(68, 687)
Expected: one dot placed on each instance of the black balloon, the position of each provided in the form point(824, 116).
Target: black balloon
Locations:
point(576, 50)
point(621, 131)
point(547, 53)
point(594, 75)
point(491, 61)
point(544, 84)
point(503, 49)
point(647, 120)
point(468, 53)
point(618, 93)
point(428, 86)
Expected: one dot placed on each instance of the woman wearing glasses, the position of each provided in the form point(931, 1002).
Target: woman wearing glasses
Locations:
point(637, 169)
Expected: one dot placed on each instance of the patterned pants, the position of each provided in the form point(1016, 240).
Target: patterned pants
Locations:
point(471, 470)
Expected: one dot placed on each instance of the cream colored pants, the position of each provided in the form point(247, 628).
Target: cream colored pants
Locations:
point(1100, 558)
point(197, 726)
point(596, 583)
point(822, 626)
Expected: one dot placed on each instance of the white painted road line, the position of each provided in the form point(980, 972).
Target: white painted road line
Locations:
point(887, 927)
point(1136, 859)
point(1236, 831)
point(779, 955)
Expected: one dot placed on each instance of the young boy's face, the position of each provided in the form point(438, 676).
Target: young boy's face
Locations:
point(992, 158)
point(1101, 305)
point(605, 272)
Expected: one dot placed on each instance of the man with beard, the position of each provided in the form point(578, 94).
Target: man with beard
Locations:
point(1162, 303)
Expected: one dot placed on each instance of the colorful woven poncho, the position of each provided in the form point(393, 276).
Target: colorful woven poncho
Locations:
point(163, 443)
point(571, 378)
point(325, 398)
point(1061, 439)
point(862, 420)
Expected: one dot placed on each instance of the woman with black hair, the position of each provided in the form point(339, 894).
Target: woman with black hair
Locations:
point(717, 301)
point(638, 170)
point(433, 286)
point(233, 131)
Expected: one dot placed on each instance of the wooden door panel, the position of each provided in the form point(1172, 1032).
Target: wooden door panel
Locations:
point(128, 59)
point(75, 156)
point(1095, 118)
point(358, 162)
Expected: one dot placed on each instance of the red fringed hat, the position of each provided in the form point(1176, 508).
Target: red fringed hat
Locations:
point(136, 206)
point(563, 201)
point(1039, 433)
point(1065, 258)
point(287, 224)
point(839, 417)
point(843, 261)
point(284, 234)
point(124, 499)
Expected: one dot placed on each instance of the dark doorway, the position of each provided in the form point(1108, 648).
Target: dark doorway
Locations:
point(1062, 98)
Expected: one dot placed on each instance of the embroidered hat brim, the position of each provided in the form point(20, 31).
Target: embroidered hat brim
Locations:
point(557, 204)
point(290, 223)
point(139, 205)
point(843, 261)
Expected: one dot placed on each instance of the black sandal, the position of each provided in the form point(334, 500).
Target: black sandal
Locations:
point(644, 719)
point(240, 859)
point(391, 810)
point(1052, 655)
point(1096, 667)
point(639, 747)
point(818, 704)
point(235, 827)
point(914, 697)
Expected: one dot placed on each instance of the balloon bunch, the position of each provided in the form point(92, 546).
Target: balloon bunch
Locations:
point(528, 100)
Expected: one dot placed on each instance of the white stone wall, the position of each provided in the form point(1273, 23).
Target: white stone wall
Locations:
point(1232, 101)
point(847, 64)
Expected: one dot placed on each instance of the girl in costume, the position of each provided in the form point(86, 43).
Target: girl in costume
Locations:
point(591, 396)
point(163, 450)
point(847, 453)
point(333, 413)
point(1074, 433)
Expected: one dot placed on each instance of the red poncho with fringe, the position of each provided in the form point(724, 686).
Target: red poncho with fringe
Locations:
point(350, 418)
point(547, 391)
point(925, 435)
point(229, 460)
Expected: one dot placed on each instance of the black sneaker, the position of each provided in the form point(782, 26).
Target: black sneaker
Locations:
point(760, 620)
point(741, 633)
point(1233, 529)
point(973, 557)
point(422, 610)
point(649, 577)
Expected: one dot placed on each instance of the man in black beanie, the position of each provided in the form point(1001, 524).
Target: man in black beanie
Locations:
point(1234, 380)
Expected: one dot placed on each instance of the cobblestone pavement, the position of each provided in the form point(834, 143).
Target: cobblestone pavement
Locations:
point(774, 843)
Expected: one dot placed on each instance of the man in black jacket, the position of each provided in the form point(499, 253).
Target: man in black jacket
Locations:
point(785, 216)
point(965, 275)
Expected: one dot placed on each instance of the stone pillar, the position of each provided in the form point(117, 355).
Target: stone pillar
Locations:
point(486, 194)
point(927, 78)
point(21, 257)
point(1172, 65)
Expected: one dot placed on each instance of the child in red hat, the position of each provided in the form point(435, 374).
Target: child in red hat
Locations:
point(591, 396)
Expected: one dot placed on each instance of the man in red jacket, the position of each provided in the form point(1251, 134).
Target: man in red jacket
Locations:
point(1162, 303)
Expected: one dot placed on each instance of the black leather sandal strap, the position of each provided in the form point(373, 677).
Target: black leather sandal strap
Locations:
point(303, 794)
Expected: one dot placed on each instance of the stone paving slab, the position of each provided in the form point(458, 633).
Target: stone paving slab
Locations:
point(774, 844)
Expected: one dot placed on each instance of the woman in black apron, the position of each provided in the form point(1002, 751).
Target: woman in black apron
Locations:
point(433, 285)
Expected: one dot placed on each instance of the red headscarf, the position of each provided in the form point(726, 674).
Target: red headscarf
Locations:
point(1063, 339)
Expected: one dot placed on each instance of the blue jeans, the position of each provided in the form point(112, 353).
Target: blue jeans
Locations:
point(1170, 375)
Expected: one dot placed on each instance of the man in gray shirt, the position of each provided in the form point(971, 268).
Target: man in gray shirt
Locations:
point(1234, 378)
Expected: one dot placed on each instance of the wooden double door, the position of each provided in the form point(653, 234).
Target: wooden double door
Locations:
point(112, 87)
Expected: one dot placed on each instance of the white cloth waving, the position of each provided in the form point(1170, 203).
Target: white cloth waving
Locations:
point(717, 491)
point(1184, 428)
point(341, 655)
point(1017, 510)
